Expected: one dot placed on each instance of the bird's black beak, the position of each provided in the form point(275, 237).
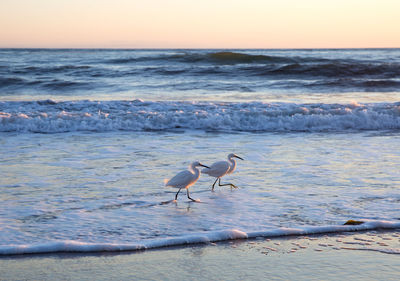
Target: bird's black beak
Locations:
point(205, 166)
point(239, 157)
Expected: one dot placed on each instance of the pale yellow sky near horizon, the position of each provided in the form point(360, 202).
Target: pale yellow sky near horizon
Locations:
point(200, 24)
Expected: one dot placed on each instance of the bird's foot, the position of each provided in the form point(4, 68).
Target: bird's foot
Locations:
point(167, 202)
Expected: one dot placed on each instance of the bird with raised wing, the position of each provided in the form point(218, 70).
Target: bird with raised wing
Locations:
point(222, 168)
point(185, 179)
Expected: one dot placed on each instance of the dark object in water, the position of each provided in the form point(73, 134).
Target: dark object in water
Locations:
point(353, 222)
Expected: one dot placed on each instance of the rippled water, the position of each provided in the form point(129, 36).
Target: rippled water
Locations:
point(233, 75)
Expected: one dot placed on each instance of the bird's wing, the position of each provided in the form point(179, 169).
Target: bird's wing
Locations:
point(181, 179)
point(218, 169)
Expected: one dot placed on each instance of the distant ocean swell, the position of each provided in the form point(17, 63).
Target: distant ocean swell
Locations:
point(263, 65)
point(205, 237)
point(48, 116)
point(243, 58)
point(212, 57)
point(292, 71)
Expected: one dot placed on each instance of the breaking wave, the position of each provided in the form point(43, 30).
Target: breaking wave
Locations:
point(48, 116)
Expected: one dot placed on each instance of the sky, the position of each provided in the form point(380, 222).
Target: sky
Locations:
point(199, 24)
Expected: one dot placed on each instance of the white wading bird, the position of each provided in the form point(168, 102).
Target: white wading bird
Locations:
point(185, 179)
point(222, 168)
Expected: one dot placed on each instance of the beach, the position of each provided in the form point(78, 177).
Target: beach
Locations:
point(88, 138)
point(316, 257)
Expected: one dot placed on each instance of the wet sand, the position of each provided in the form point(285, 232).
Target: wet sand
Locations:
point(372, 255)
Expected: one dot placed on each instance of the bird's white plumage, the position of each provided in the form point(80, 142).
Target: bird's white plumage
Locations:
point(218, 169)
point(186, 178)
point(183, 179)
point(222, 168)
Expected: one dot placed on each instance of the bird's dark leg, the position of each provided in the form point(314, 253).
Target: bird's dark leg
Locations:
point(212, 189)
point(187, 191)
point(230, 184)
point(176, 196)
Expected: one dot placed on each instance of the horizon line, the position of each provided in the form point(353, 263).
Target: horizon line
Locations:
point(200, 48)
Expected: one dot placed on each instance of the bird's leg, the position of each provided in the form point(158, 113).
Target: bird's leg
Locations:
point(176, 196)
point(187, 191)
point(212, 189)
point(230, 184)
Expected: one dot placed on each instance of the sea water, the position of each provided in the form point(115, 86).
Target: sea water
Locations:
point(87, 138)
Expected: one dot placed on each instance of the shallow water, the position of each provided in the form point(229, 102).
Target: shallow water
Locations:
point(108, 187)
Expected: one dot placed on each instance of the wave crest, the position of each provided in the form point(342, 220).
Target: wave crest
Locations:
point(223, 57)
point(233, 57)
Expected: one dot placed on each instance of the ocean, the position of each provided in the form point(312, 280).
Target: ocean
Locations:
point(87, 137)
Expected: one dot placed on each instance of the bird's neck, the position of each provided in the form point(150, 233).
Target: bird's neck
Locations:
point(233, 164)
point(195, 171)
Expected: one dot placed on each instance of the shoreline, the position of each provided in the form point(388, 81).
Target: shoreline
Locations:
point(196, 238)
point(312, 257)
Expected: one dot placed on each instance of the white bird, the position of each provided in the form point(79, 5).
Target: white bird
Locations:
point(222, 168)
point(185, 179)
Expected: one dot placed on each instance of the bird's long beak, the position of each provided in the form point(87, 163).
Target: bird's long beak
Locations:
point(239, 157)
point(204, 166)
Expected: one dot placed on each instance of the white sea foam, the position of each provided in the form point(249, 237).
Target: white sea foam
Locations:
point(54, 117)
point(205, 237)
